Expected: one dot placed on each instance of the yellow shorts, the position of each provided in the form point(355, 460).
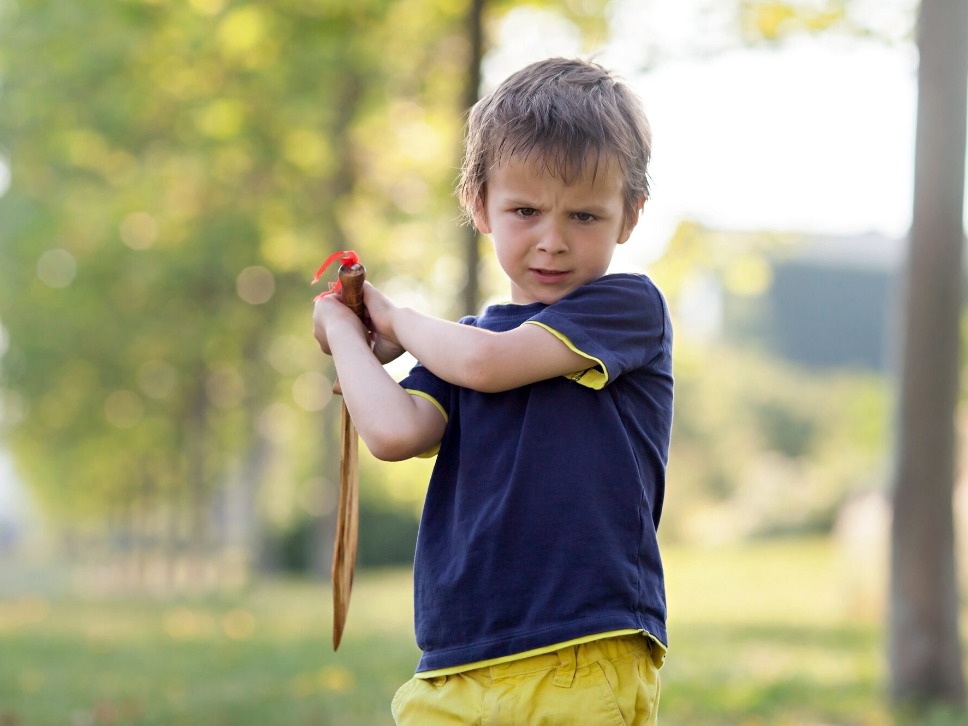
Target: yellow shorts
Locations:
point(610, 681)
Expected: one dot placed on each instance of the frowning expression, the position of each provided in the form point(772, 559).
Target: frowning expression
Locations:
point(551, 237)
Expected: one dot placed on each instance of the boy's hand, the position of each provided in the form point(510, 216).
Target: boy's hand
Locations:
point(393, 424)
point(331, 318)
point(379, 313)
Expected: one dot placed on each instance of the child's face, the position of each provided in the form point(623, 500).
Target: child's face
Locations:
point(551, 237)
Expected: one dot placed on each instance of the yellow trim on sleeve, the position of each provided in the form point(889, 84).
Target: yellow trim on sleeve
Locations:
point(590, 377)
point(541, 651)
point(429, 453)
point(415, 392)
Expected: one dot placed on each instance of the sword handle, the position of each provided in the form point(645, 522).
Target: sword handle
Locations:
point(351, 279)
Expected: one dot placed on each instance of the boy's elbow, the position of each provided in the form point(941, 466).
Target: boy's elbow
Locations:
point(489, 378)
point(488, 382)
point(478, 378)
point(401, 433)
point(389, 446)
point(384, 449)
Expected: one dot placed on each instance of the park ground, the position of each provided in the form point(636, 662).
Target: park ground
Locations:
point(768, 633)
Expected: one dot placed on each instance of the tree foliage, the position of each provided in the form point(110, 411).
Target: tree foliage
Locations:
point(175, 183)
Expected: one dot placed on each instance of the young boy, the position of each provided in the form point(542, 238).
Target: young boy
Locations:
point(538, 588)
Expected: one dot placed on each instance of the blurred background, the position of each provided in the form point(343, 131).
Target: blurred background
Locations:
point(174, 171)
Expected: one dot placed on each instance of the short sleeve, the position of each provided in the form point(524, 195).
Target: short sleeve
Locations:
point(421, 382)
point(619, 321)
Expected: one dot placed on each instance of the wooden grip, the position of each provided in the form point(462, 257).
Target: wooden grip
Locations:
point(351, 279)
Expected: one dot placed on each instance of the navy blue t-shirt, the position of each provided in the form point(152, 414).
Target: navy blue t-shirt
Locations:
point(540, 520)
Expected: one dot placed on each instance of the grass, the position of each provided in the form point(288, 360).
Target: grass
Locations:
point(264, 657)
point(758, 636)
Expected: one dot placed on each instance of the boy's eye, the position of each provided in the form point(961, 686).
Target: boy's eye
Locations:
point(526, 211)
point(584, 216)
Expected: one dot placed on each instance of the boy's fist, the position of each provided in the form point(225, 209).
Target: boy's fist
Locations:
point(379, 316)
point(331, 318)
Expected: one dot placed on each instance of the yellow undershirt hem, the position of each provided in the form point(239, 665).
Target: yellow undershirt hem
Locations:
point(415, 392)
point(429, 453)
point(540, 651)
point(590, 377)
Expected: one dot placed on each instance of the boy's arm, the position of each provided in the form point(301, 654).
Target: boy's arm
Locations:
point(393, 424)
point(471, 357)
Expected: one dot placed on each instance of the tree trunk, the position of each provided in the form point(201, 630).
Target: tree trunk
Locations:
point(475, 32)
point(925, 651)
point(198, 491)
point(171, 539)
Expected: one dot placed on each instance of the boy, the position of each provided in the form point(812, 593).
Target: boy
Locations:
point(538, 588)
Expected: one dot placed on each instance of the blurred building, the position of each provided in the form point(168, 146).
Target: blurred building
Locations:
point(832, 302)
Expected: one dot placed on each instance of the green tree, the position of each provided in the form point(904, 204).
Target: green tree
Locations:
point(174, 186)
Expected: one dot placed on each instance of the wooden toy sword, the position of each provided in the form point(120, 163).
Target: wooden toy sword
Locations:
point(351, 276)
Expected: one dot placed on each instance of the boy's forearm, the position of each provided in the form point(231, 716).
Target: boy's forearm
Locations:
point(483, 360)
point(384, 413)
point(454, 352)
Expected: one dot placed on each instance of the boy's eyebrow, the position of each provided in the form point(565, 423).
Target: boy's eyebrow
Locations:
point(519, 202)
point(597, 209)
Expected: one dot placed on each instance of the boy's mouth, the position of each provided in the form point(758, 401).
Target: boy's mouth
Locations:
point(548, 275)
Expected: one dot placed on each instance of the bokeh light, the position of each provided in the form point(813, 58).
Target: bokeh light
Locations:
point(291, 354)
point(56, 268)
point(238, 624)
point(157, 378)
point(255, 285)
point(225, 388)
point(123, 409)
point(312, 391)
point(278, 422)
point(139, 230)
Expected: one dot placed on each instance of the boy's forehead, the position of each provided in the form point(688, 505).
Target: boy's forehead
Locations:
point(599, 174)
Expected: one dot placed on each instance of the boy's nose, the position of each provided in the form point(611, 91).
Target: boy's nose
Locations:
point(553, 241)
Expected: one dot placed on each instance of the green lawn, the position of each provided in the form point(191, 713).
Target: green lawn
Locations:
point(758, 636)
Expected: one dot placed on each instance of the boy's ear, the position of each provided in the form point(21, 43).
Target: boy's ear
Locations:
point(480, 218)
point(631, 221)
